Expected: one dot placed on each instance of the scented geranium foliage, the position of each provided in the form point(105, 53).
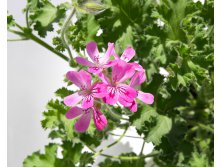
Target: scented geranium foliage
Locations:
point(146, 64)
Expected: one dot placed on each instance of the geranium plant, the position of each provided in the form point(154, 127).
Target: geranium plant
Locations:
point(162, 84)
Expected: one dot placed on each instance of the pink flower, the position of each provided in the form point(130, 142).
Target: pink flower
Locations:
point(87, 92)
point(147, 98)
point(116, 90)
point(83, 122)
point(98, 63)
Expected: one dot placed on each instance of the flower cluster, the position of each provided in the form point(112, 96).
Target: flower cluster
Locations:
point(118, 82)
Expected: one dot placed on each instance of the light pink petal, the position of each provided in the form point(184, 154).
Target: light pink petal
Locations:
point(74, 112)
point(137, 66)
point(99, 90)
point(110, 64)
point(83, 122)
point(84, 61)
point(133, 106)
point(95, 70)
point(137, 79)
point(87, 102)
point(100, 120)
point(92, 51)
point(147, 98)
point(126, 92)
point(122, 71)
point(112, 95)
point(128, 54)
point(124, 102)
point(72, 100)
point(109, 52)
point(104, 78)
point(85, 79)
point(75, 78)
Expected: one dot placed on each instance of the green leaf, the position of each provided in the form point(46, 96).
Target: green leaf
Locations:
point(163, 126)
point(10, 21)
point(45, 15)
point(42, 160)
point(63, 92)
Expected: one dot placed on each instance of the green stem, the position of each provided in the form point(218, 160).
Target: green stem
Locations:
point(19, 39)
point(29, 35)
point(26, 17)
point(63, 31)
point(110, 145)
point(39, 41)
point(125, 158)
point(141, 151)
point(126, 136)
point(129, 158)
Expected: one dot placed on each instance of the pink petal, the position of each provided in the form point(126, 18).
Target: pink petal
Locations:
point(112, 95)
point(128, 54)
point(126, 92)
point(83, 61)
point(122, 71)
point(138, 79)
point(110, 63)
point(85, 79)
point(99, 90)
point(74, 112)
point(95, 70)
point(137, 66)
point(75, 78)
point(109, 52)
point(100, 120)
point(83, 122)
point(147, 98)
point(133, 106)
point(104, 78)
point(92, 51)
point(72, 100)
point(124, 102)
point(88, 101)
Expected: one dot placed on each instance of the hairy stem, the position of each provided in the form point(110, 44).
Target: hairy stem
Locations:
point(110, 145)
point(63, 31)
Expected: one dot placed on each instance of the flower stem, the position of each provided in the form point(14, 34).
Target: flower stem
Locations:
point(110, 145)
point(63, 30)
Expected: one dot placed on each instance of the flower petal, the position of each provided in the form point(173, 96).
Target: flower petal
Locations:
point(99, 90)
point(124, 102)
point(133, 106)
point(95, 70)
point(109, 52)
point(83, 61)
point(126, 92)
point(85, 79)
point(100, 120)
point(72, 100)
point(74, 112)
point(137, 79)
point(122, 71)
point(87, 102)
point(110, 64)
point(75, 78)
point(128, 54)
point(83, 122)
point(93, 52)
point(147, 98)
point(112, 95)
